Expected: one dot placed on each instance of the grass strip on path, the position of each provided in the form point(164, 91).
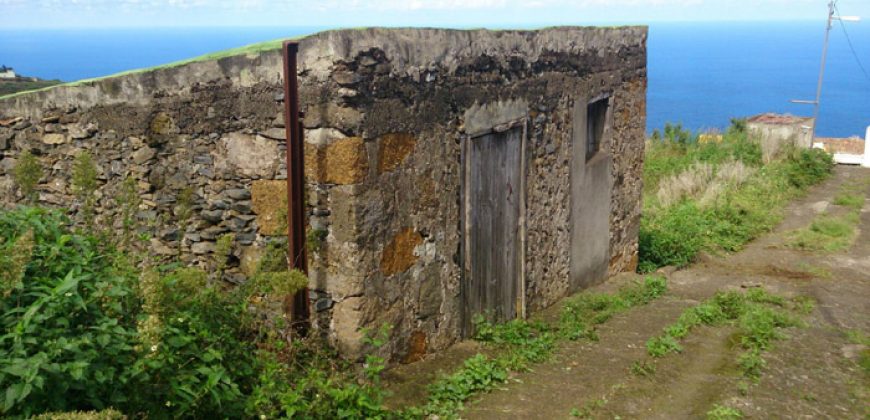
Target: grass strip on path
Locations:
point(832, 233)
point(518, 344)
point(758, 315)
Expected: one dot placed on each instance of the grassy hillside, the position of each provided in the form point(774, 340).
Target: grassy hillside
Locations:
point(11, 87)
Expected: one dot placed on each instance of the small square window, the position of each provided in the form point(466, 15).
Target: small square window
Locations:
point(596, 120)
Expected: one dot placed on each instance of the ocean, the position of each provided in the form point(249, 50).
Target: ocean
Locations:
point(700, 74)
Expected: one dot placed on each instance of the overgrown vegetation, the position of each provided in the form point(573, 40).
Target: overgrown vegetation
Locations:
point(758, 316)
point(84, 329)
point(518, 344)
point(715, 195)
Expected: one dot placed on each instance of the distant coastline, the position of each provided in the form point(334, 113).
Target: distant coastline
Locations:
point(700, 74)
point(12, 82)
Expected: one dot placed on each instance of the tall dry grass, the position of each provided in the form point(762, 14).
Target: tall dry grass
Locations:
point(703, 181)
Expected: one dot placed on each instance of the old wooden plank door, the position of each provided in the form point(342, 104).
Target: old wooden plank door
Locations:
point(492, 200)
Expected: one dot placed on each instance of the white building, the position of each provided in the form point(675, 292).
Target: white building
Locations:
point(6, 72)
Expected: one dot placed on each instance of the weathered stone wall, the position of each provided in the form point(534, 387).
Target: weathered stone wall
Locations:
point(384, 122)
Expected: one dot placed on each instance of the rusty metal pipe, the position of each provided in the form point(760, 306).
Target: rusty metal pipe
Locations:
point(296, 254)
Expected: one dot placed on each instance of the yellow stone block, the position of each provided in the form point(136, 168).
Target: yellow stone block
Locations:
point(269, 202)
point(342, 162)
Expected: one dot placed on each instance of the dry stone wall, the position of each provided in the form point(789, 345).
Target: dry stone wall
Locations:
point(383, 130)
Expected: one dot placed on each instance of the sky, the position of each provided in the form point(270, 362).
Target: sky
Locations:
point(447, 13)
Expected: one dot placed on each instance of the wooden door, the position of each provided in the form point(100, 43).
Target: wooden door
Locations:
point(492, 200)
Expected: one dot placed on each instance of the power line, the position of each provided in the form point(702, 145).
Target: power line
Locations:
point(851, 46)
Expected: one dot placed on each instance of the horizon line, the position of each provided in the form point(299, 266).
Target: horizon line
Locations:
point(508, 25)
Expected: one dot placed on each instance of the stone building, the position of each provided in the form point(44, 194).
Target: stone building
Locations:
point(777, 132)
point(449, 173)
point(7, 72)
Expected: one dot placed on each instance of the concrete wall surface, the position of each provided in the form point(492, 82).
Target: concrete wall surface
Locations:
point(386, 114)
point(778, 132)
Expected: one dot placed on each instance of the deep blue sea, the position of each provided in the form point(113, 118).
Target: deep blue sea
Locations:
point(700, 74)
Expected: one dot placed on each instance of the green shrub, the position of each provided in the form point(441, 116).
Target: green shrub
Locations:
point(201, 362)
point(128, 201)
point(84, 184)
point(809, 166)
point(26, 174)
point(83, 330)
point(673, 238)
point(69, 328)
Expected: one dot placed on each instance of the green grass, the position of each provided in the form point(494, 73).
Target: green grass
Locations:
point(517, 345)
point(826, 233)
point(859, 337)
point(758, 316)
point(831, 233)
point(643, 368)
point(853, 201)
point(821, 272)
point(721, 412)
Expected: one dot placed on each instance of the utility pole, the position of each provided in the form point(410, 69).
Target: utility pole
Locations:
point(832, 8)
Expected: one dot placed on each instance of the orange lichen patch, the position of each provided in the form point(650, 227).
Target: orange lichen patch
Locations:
point(398, 255)
point(394, 149)
point(342, 162)
point(269, 202)
point(416, 347)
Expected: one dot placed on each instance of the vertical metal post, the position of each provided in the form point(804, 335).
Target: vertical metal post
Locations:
point(822, 69)
point(296, 254)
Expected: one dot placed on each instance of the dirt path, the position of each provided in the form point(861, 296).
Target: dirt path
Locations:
point(809, 375)
point(814, 373)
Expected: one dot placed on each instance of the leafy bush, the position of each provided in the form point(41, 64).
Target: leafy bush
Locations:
point(26, 174)
point(809, 166)
point(69, 326)
point(197, 360)
point(83, 330)
point(672, 238)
